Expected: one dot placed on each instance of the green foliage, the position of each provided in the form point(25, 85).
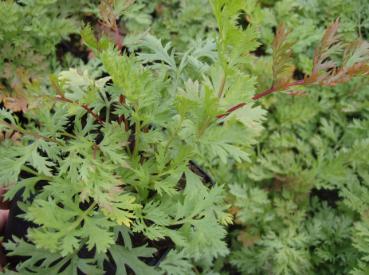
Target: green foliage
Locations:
point(30, 30)
point(311, 151)
point(119, 148)
point(127, 156)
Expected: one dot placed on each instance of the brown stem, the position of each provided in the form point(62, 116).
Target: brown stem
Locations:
point(262, 94)
point(84, 106)
point(61, 97)
point(122, 118)
point(230, 110)
point(89, 110)
point(118, 38)
point(25, 132)
point(275, 89)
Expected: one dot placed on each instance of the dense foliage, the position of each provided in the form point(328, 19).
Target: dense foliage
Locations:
point(187, 137)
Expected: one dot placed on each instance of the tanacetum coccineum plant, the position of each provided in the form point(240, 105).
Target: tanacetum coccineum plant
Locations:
point(117, 148)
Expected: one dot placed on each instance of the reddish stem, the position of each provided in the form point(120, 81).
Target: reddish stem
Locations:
point(84, 106)
point(61, 97)
point(262, 94)
point(118, 39)
point(89, 110)
point(274, 89)
point(234, 108)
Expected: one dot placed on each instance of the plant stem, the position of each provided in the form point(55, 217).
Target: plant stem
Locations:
point(137, 138)
point(29, 170)
point(35, 173)
point(274, 89)
point(118, 38)
point(68, 134)
point(25, 132)
point(203, 127)
point(61, 97)
point(222, 85)
point(262, 94)
point(84, 106)
point(81, 218)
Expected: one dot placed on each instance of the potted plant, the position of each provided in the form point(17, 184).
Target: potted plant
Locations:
point(109, 168)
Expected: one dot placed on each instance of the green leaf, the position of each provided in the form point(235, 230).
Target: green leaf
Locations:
point(158, 52)
point(121, 209)
point(123, 257)
point(98, 234)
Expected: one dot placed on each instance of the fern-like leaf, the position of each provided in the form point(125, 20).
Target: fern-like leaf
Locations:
point(282, 57)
